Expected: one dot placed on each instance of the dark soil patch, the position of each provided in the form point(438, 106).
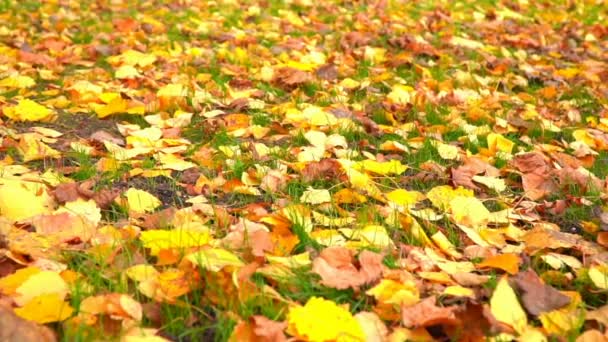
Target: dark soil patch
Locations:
point(73, 127)
point(163, 188)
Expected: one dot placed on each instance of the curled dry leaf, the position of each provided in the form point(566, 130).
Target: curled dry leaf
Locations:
point(14, 328)
point(427, 313)
point(535, 296)
point(336, 268)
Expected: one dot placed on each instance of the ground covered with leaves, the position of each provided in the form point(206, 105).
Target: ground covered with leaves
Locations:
point(303, 170)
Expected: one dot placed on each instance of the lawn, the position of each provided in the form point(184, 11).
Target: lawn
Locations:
point(271, 170)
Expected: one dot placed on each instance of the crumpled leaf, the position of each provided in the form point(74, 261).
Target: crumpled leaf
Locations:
point(14, 328)
point(537, 297)
point(427, 313)
point(335, 266)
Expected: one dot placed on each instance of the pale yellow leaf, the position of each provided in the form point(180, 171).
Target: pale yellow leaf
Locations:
point(505, 306)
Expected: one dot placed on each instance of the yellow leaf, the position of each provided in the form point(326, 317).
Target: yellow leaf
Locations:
point(20, 200)
point(116, 105)
point(469, 211)
point(404, 197)
point(126, 71)
point(141, 272)
point(172, 162)
point(133, 57)
point(459, 291)
point(494, 183)
point(561, 321)
point(316, 116)
point(375, 236)
point(87, 209)
point(331, 221)
point(45, 308)
point(505, 306)
point(178, 238)
point(498, 143)
point(314, 196)
point(382, 168)
point(557, 261)
point(27, 110)
point(44, 282)
point(390, 291)
point(449, 152)
point(323, 320)
point(442, 195)
point(298, 260)
point(445, 245)
point(172, 90)
point(400, 94)
point(10, 283)
point(32, 148)
point(599, 276)
point(18, 81)
point(214, 259)
point(583, 135)
point(141, 201)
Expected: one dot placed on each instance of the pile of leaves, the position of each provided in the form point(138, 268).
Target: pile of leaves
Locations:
point(309, 170)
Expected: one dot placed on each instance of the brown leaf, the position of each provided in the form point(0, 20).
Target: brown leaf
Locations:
point(66, 192)
point(536, 175)
point(592, 336)
point(427, 313)
point(249, 235)
point(371, 266)
point(472, 166)
point(291, 77)
point(470, 279)
point(473, 325)
point(268, 330)
point(14, 328)
point(323, 169)
point(161, 219)
point(258, 328)
point(600, 314)
point(102, 136)
point(327, 72)
point(537, 297)
point(336, 268)
point(541, 238)
point(105, 197)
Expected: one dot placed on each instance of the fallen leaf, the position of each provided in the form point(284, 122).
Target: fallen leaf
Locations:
point(27, 110)
point(506, 262)
point(45, 308)
point(427, 313)
point(141, 201)
point(537, 297)
point(505, 306)
point(14, 328)
point(335, 266)
point(323, 320)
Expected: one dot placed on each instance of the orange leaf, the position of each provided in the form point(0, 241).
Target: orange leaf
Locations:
point(507, 262)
